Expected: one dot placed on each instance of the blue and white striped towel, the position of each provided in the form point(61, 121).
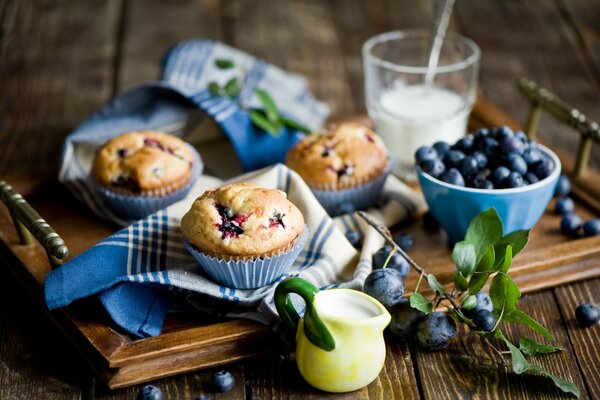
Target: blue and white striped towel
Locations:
point(167, 105)
point(127, 269)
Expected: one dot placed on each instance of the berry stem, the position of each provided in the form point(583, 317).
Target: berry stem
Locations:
point(389, 257)
point(498, 352)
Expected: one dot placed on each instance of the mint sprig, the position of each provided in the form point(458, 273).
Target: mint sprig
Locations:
point(486, 253)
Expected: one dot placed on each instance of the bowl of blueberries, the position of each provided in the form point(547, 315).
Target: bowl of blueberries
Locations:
point(495, 167)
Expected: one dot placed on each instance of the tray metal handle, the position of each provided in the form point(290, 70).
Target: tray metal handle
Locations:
point(542, 100)
point(30, 225)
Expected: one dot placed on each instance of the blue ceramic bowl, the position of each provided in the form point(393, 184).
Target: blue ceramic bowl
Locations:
point(520, 208)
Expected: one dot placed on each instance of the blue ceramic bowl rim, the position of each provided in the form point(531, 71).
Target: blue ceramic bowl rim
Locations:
point(527, 188)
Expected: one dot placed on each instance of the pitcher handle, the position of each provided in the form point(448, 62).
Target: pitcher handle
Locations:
point(314, 328)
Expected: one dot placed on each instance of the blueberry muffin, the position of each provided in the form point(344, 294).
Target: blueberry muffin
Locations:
point(140, 172)
point(244, 235)
point(348, 156)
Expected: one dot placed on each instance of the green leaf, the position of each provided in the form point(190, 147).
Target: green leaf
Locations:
point(419, 302)
point(563, 384)
point(269, 105)
point(214, 89)
point(460, 282)
point(233, 87)
point(460, 316)
point(222, 63)
point(505, 264)
point(519, 363)
point(259, 119)
point(519, 317)
point(464, 257)
point(504, 294)
point(484, 231)
point(518, 241)
point(484, 269)
point(435, 284)
point(532, 348)
point(469, 303)
point(295, 125)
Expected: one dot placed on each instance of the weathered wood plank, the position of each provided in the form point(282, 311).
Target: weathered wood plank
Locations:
point(583, 340)
point(470, 369)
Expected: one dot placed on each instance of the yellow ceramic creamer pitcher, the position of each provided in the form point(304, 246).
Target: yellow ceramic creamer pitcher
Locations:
point(339, 342)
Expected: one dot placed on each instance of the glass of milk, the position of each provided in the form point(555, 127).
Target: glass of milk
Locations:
point(410, 110)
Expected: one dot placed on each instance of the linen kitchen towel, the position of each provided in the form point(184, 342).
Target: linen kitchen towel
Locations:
point(167, 105)
point(132, 270)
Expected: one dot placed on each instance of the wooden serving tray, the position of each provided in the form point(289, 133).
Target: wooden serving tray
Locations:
point(194, 341)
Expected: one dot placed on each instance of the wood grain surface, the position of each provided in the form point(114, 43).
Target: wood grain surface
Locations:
point(61, 59)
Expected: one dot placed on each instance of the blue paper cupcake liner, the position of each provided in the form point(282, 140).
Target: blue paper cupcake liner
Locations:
point(134, 207)
point(249, 274)
point(360, 197)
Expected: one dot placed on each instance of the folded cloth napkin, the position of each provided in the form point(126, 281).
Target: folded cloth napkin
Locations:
point(167, 105)
point(128, 269)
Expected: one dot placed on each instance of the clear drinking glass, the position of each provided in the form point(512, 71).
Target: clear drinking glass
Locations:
point(406, 112)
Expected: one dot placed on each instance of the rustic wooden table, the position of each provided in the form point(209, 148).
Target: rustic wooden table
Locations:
point(60, 60)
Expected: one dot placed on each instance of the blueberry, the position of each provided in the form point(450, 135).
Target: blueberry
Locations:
point(481, 159)
point(435, 330)
point(222, 381)
point(345, 208)
point(385, 285)
point(481, 134)
point(531, 178)
point(441, 148)
point(522, 136)
point(499, 175)
point(484, 320)
point(514, 180)
point(502, 132)
point(469, 167)
point(587, 314)
point(484, 302)
point(512, 145)
point(354, 238)
point(490, 146)
point(404, 240)
point(202, 397)
point(465, 144)
point(454, 158)
point(564, 205)
point(425, 153)
point(532, 155)
point(404, 320)
point(592, 227)
point(396, 261)
point(543, 168)
point(570, 224)
point(482, 183)
point(434, 168)
point(563, 187)
point(453, 177)
point(516, 163)
point(150, 392)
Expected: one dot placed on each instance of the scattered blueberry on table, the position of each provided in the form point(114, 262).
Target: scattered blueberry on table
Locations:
point(587, 314)
point(404, 240)
point(496, 158)
point(570, 224)
point(564, 205)
point(385, 285)
point(354, 238)
point(435, 330)
point(222, 381)
point(563, 187)
point(150, 392)
point(592, 227)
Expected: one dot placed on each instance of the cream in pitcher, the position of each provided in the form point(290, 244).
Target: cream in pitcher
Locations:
point(339, 342)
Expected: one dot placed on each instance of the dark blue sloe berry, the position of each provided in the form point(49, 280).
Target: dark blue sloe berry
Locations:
point(425, 153)
point(484, 302)
point(515, 163)
point(150, 392)
point(454, 158)
point(404, 240)
point(484, 321)
point(396, 260)
point(222, 381)
point(435, 330)
point(441, 148)
point(404, 319)
point(570, 224)
point(587, 314)
point(434, 168)
point(385, 285)
point(453, 177)
point(563, 187)
point(592, 227)
point(354, 238)
point(564, 205)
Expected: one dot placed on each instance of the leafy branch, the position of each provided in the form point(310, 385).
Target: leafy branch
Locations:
point(485, 253)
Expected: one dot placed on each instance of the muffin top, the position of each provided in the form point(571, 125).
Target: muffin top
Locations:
point(143, 161)
point(346, 155)
point(242, 219)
